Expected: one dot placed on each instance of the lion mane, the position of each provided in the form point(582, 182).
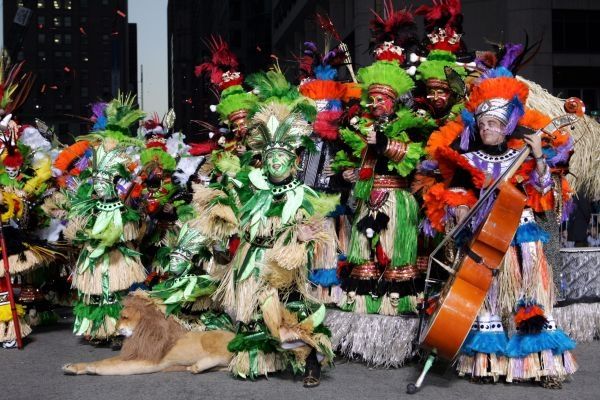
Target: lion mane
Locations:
point(154, 335)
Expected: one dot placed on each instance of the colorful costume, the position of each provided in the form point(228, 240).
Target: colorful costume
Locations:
point(100, 220)
point(524, 286)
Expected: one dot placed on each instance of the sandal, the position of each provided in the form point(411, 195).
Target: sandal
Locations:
point(310, 381)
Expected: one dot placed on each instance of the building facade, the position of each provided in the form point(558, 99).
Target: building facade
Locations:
point(244, 24)
point(81, 51)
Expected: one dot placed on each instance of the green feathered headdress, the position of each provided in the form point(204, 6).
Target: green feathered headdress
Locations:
point(158, 156)
point(273, 86)
point(233, 99)
point(388, 73)
point(277, 126)
point(433, 67)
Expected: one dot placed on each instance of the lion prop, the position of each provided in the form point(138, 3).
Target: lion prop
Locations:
point(155, 343)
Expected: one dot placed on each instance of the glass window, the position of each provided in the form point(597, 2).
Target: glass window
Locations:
point(84, 91)
point(41, 55)
point(41, 21)
point(58, 54)
point(83, 3)
point(56, 21)
point(41, 3)
point(56, 4)
point(68, 5)
point(67, 21)
point(41, 38)
point(57, 38)
point(574, 31)
point(67, 38)
point(68, 55)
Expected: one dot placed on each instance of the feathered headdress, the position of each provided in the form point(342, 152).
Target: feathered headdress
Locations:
point(12, 157)
point(443, 23)
point(393, 34)
point(273, 86)
point(222, 69)
point(115, 118)
point(502, 97)
point(276, 127)
point(14, 84)
point(387, 74)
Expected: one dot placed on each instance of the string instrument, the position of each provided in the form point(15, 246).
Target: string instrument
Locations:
point(465, 291)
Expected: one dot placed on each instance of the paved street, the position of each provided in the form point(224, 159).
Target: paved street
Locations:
point(34, 373)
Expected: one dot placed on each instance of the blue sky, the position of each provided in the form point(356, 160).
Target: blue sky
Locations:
point(151, 19)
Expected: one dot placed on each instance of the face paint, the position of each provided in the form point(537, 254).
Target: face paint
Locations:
point(438, 98)
point(491, 130)
point(381, 105)
point(279, 165)
point(12, 172)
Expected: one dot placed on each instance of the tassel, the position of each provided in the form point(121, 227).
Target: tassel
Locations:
point(468, 130)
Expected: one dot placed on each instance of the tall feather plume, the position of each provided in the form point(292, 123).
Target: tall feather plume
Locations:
point(397, 26)
point(222, 60)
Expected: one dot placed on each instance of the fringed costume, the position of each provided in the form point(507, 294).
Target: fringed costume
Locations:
point(531, 347)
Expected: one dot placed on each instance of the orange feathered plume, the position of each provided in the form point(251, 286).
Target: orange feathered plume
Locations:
point(319, 89)
point(70, 154)
point(528, 312)
point(444, 136)
point(352, 91)
point(438, 198)
point(503, 87)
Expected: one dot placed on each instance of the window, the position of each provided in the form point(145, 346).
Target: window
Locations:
point(84, 91)
point(582, 82)
point(84, 57)
point(58, 54)
point(41, 21)
point(68, 4)
point(67, 38)
point(56, 21)
point(41, 38)
point(83, 3)
point(57, 38)
point(574, 31)
point(67, 21)
point(41, 4)
point(56, 4)
point(20, 3)
point(41, 55)
point(68, 55)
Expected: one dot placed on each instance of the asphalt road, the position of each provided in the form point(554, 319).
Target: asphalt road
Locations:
point(34, 373)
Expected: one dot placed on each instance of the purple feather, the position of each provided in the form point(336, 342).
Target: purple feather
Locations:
point(568, 208)
point(427, 229)
point(468, 130)
point(516, 113)
point(562, 153)
point(510, 55)
point(310, 48)
point(428, 165)
point(98, 109)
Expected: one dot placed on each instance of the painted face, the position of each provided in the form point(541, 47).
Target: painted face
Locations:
point(238, 123)
point(279, 165)
point(491, 130)
point(103, 186)
point(381, 104)
point(438, 98)
point(12, 172)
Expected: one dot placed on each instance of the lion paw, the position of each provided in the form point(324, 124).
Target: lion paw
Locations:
point(194, 369)
point(73, 369)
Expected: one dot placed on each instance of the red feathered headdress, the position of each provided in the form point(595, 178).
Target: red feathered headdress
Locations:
point(223, 66)
point(443, 23)
point(393, 33)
